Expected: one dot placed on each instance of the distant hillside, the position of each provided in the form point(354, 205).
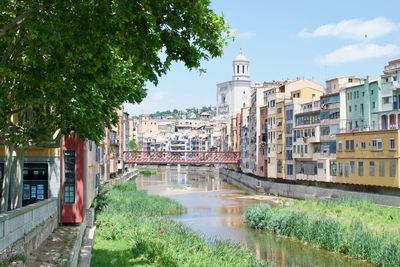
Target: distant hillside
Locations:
point(190, 113)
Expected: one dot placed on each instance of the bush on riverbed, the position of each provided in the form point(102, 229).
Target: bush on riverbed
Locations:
point(131, 231)
point(147, 172)
point(345, 234)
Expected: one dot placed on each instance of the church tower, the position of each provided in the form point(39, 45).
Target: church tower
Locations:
point(241, 68)
point(234, 95)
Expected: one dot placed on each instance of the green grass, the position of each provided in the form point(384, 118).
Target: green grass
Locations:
point(358, 228)
point(133, 230)
point(147, 172)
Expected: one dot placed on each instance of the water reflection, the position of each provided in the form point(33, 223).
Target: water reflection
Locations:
point(215, 208)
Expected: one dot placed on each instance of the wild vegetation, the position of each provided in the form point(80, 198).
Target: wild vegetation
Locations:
point(358, 228)
point(134, 231)
point(147, 172)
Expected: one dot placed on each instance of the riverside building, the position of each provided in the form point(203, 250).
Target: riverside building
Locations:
point(235, 94)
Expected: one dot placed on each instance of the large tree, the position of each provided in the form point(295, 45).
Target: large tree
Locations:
point(67, 65)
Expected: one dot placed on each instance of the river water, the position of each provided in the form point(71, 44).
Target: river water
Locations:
point(215, 208)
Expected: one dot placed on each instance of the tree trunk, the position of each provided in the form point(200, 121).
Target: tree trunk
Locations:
point(9, 149)
point(16, 201)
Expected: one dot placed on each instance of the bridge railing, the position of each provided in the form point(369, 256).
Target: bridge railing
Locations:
point(178, 157)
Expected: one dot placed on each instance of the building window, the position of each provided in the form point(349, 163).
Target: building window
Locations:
point(363, 146)
point(279, 166)
point(352, 167)
point(392, 144)
point(289, 169)
point(340, 169)
point(376, 144)
point(386, 100)
point(373, 104)
point(372, 92)
point(346, 169)
point(361, 168)
point(333, 167)
point(382, 168)
point(392, 164)
point(350, 80)
point(372, 168)
point(339, 146)
point(69, 176)
point(349, 145)
point(349, 108)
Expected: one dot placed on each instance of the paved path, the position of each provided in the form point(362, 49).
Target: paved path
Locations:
point(55, 250)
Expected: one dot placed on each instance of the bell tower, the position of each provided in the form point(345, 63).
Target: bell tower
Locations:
point(241, 68)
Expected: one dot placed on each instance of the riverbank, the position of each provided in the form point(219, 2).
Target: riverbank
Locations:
point(301, 189)
point(358, 228)
point(133, 230)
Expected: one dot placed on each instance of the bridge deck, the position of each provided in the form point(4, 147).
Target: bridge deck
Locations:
point(181, 157)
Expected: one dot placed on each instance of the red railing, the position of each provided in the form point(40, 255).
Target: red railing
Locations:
point(181, 157)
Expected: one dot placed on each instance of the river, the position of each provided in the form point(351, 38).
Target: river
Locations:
point(214, 210)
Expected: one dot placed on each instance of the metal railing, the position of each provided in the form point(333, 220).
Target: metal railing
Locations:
point(181, 157)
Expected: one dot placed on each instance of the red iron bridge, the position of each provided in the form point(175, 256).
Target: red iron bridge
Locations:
point(181, 157)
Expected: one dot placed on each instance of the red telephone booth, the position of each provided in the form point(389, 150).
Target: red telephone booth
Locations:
point(72, 179)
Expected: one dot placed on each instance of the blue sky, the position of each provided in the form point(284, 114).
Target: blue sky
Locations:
point(287, 39)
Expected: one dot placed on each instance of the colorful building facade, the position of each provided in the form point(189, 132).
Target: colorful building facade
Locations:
point(368, 158)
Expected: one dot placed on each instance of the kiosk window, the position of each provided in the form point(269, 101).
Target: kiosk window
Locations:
point(69, 174)
point(35, 186)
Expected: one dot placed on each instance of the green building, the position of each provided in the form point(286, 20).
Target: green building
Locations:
point(363, 102)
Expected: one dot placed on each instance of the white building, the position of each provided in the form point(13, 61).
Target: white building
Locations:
point(234, 95)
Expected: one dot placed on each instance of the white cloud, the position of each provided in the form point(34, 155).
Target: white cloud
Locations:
point(354, 29)
point(358, 52)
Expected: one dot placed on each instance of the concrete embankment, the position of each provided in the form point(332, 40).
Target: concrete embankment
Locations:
point(309, 190)
point(186, 168)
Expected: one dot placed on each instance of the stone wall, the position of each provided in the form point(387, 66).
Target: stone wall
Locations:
point(131, 174)
point(24, 229)
point(301, 191)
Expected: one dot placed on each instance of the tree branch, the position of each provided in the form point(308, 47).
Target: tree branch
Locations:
point(15, 23)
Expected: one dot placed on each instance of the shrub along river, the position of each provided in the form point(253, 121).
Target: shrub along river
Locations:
point(215, 208)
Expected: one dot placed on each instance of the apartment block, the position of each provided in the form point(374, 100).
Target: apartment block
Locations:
point(306, 143)
point(369, 158)
point(275, 100)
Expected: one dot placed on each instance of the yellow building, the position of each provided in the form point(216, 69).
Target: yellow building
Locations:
point(369, 158)
point(280, 138)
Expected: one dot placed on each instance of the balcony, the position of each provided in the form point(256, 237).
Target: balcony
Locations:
point(328, 137)
point(114, 142)
point(391, 68)
point(325, 122)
